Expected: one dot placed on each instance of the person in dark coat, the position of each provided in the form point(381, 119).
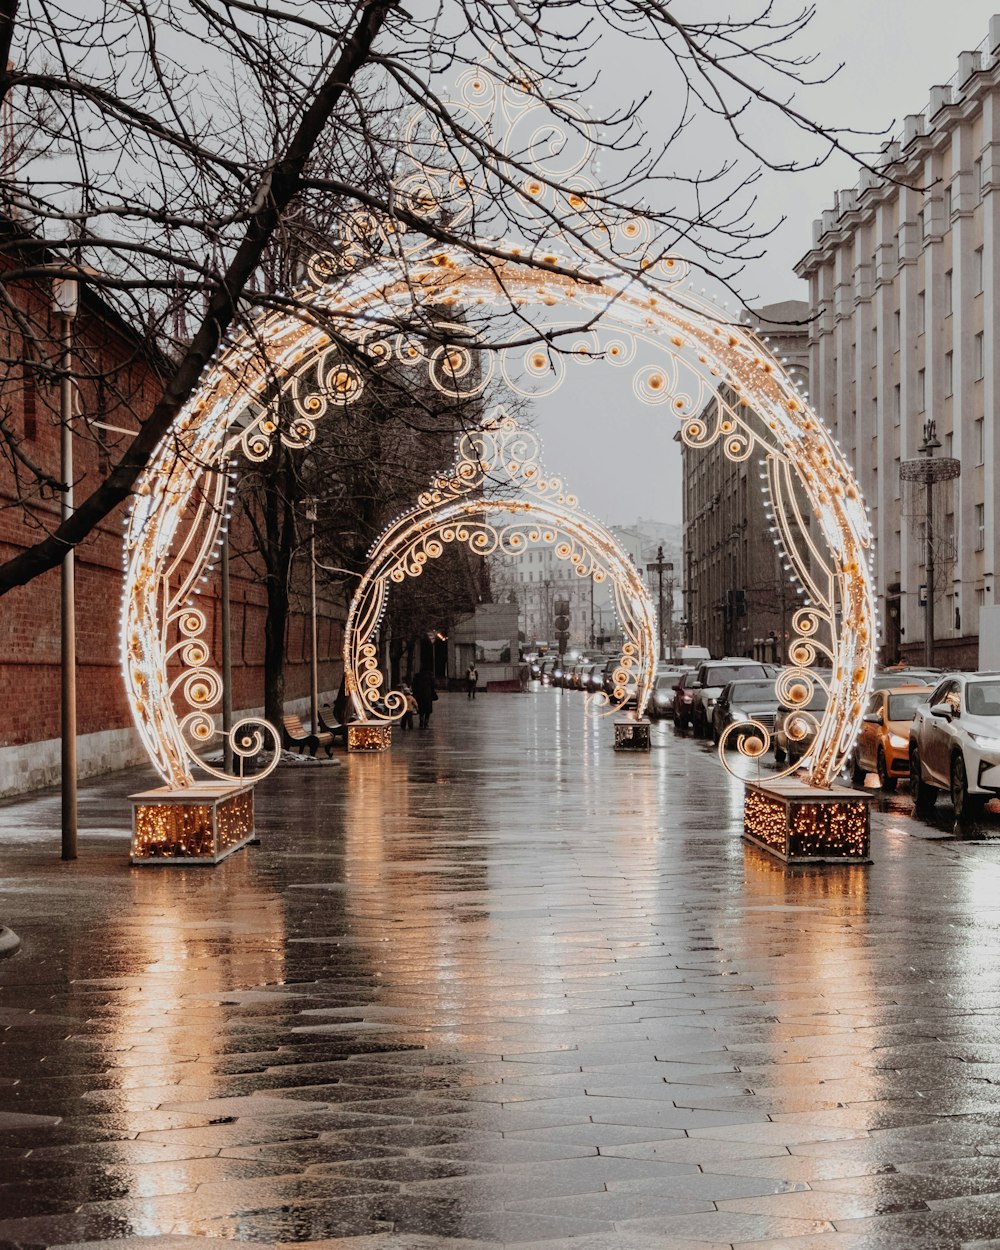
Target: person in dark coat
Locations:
point(425, 692)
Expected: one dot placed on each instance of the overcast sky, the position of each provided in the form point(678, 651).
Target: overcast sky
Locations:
point(893, 51)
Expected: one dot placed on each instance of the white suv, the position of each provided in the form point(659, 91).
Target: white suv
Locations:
point(955, 744)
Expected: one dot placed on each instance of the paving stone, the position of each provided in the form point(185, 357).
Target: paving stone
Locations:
point(498, 988)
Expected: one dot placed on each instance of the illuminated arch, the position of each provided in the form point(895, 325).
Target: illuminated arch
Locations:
point(497, 498)
point(181, 499)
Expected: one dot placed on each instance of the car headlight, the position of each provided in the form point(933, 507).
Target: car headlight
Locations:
point(896, 741)
point(986, 742)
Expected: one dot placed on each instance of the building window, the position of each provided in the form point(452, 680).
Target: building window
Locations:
point(980, 441)
point(977, 269)
point(895, 402)
point(899, 247)
point(895, 330)
point(949, 444)
point(977, 175)
point(948, 204)
point(980, 527)
point(948, 307)
point(978, 359)
point(949, 373)
point(921, 224)
point(921, 311)
point(921, 389)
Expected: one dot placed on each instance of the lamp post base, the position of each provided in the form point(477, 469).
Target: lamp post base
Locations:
point(632, 735)
point(198, 825)
point(363, 735)
point(800, 824)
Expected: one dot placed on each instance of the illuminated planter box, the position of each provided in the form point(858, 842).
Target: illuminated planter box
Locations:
point(200, 825)
point(632, 735)
point(368, 736)
point(804, 825)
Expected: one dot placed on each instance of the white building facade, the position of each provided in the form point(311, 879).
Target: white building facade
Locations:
point(904, 279)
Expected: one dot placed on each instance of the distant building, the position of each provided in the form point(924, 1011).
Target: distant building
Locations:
point(737, 596)
point(539, 580)
point(904, 277)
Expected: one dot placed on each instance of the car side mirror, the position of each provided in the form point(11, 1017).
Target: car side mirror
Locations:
point(943, 710)
point(695, 685)
point(872, 718)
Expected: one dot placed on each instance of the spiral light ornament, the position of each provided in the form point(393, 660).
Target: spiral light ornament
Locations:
point(180, 502)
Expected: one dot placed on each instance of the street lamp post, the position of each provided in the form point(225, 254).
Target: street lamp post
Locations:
point(313, 641)
point(929, 471)
point(659, 566)
point(65, 298)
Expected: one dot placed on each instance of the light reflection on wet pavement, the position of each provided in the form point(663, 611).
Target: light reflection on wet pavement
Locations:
point(501, 986)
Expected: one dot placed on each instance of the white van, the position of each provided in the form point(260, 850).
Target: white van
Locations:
point(693, 655)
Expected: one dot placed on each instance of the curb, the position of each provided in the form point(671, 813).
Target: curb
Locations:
point(9, 942)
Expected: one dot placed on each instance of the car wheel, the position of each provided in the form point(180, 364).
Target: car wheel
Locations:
point(924, 796)
point(779, 754)
point(858, 774)
point(882, 768)
point(965, 805)
point(715, 735)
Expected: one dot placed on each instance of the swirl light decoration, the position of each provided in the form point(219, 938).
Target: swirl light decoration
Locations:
point(601, 271)
point(497, 498)
point(173, 530)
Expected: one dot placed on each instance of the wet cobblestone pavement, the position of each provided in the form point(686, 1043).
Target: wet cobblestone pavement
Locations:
point(499, 987)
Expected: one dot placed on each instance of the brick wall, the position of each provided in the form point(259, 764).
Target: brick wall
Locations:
point(116, 388)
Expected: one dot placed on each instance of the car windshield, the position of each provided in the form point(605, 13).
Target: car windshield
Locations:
point(666, 681)
point(748, 691)
point(902, 706)
point(982, 698)
point(723, 674)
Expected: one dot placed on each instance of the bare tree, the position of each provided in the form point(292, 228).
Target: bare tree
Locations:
point(163, 146)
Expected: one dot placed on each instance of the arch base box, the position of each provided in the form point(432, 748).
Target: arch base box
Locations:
point(802, 824)
point(363, 735)
point(632, 735)
point(201, 824)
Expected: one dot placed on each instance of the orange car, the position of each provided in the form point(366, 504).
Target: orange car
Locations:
point(883, 745)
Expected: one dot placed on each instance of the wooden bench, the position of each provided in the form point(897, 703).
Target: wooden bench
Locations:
point(295, 736)
point(328, 723)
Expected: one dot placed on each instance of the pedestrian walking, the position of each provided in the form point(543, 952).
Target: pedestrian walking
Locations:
point(406, 720)
point(471, 680)
point(425, 694)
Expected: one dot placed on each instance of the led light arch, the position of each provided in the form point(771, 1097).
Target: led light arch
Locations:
point(181, 499)
point(497, 498)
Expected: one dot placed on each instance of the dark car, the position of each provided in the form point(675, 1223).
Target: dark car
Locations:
point(712, 676)
point(741, 701)
point(664, 694)
point(684, 692)
point(793, 733)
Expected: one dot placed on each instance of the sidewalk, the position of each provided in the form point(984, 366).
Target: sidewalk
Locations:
point(499, 987)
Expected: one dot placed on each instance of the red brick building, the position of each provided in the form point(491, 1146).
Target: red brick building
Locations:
point(116, 385)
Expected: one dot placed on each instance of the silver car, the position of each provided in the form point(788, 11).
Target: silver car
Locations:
point(955, 744)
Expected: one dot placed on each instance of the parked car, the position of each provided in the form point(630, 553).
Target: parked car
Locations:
point(744, 700)
point(684, 692)
point(883, 744)
point(712, 676)
point(886, 678)
point(791, 739)
point(954, 744)
point(661, 701)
